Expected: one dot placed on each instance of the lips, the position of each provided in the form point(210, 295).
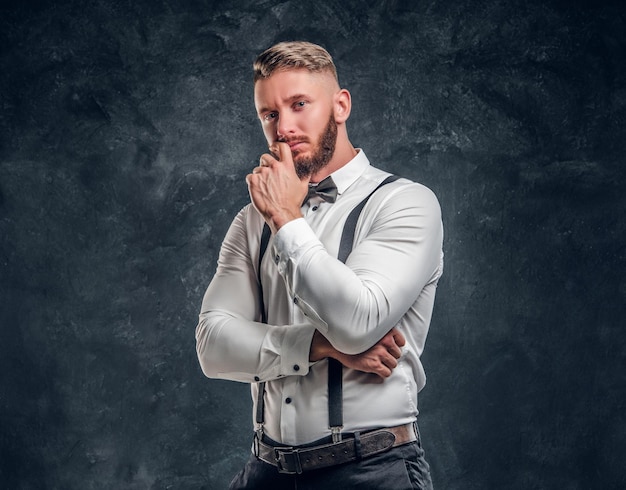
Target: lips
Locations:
point(292, 142)
point(296, 146)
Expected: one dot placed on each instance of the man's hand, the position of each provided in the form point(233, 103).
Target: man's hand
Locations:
point(275, 189)
point(380, 359)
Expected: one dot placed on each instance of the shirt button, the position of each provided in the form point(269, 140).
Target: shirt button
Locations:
point(288, 401)
point(314, 208)
point(276, 259)
point(295, 300)
point(256, 378)
point(296, 367)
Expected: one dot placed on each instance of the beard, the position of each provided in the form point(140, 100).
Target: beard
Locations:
point(322, 153)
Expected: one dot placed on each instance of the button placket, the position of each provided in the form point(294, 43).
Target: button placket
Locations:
point(289, 415)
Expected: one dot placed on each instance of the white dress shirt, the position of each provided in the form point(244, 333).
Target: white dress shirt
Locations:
point(389, 280)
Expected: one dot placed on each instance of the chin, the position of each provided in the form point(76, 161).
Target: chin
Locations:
point(300, 157)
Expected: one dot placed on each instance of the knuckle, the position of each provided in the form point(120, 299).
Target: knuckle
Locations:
point(373, 365)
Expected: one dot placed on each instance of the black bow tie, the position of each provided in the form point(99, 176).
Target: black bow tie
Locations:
point(326, 189)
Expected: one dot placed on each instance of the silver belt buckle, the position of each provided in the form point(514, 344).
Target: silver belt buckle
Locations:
point(281, 454)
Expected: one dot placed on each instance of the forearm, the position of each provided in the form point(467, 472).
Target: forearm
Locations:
point(230, 344)
point(241, 350)
point(381, 359)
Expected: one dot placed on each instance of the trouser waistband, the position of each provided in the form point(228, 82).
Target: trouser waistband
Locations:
point(295, 460)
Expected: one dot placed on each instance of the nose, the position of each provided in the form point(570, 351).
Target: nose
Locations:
point(285, 126)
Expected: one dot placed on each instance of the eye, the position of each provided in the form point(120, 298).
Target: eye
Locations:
point(270, 116)
point(300, 104)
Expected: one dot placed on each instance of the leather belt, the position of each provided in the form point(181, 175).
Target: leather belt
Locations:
point(295, 460)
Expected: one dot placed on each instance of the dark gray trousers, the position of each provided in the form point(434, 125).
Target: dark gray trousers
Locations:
point(402, 467)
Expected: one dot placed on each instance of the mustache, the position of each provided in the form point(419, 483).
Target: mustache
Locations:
point(301, 139)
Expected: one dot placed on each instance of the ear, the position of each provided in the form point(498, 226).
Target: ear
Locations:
point(342, 105)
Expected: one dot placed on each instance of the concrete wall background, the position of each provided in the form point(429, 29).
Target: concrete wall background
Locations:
point(126, 130)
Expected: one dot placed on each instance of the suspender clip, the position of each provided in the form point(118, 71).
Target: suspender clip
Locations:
point(259, 431)
point(258, 437)
point(336, 433)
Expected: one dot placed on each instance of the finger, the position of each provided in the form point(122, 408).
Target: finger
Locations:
point(253, 178)
point(275, 151)
point(395, 351)
point(390, 343)
point(389, 361)
point(383, 371)
point(398, 337)
point(265, 161)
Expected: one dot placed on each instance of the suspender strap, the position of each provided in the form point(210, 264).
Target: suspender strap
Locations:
point(265, 238)
point(335, 369)
point(260, 402)
point(349, 228)
point(335, 398)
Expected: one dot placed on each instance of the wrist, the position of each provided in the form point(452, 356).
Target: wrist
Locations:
point(279, 219)
point(320, 348)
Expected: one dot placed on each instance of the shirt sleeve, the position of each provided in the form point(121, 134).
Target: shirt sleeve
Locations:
point(230, 342)
point(397, 252)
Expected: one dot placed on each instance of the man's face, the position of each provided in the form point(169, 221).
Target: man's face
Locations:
point(295, 107)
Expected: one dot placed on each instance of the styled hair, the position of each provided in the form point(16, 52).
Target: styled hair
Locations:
point(293, 55)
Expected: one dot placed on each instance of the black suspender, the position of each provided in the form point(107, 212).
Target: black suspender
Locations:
point(335, 369)
point(265, 238)
point(260, 405)
point(349, 228)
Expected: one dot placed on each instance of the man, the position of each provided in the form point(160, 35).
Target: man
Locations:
point(322, 423)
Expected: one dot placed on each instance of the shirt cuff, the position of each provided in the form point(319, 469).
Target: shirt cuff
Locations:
point(296, 350)
point(290, 240)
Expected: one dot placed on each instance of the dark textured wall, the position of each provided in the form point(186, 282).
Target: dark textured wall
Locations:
point(126, 131)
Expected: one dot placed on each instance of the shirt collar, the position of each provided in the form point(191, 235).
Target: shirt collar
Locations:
point(350, 172)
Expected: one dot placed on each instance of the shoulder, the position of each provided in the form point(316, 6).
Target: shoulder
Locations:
point(245, 228)
point(249, 219)
point(402, 192)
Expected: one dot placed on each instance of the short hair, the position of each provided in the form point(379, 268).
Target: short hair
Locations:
point(293, 55)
